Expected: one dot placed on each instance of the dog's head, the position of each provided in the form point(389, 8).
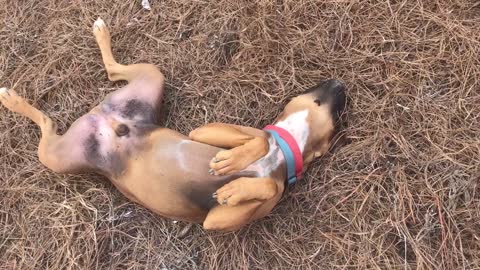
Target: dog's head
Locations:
point(324, 103)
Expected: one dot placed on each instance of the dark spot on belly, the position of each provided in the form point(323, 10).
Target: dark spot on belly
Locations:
point(201, 196)
point(116, 164)
point(91, 149)
point(122, 130)
point(111, 163)
point(136, 108)
point(142, 129)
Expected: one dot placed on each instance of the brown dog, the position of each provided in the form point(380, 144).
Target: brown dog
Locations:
point(168, 172)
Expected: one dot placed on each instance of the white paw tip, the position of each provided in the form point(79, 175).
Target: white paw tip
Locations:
point(99, 23)
point(3, 90)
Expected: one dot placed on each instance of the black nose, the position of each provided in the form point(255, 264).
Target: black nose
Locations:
point(122, 130)
point(332, 93)
point(333, 85)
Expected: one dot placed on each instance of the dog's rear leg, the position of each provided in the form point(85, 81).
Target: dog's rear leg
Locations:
point(52, 152)
point(116, 71)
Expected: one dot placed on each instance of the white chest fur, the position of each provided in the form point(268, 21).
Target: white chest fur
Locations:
point(297, 125)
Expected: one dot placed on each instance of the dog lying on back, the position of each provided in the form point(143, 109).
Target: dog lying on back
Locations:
point(222, 175)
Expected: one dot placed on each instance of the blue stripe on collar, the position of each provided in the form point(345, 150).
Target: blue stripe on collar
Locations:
point(288, 154)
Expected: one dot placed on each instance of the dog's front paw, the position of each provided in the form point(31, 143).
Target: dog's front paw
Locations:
point(246, 189)
point(229, 161)
point(232, 193)
point(11, 100)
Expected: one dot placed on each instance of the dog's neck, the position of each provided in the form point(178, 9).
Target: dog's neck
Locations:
point(297, 125)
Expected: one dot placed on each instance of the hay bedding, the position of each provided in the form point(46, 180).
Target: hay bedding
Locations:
point(400, 190)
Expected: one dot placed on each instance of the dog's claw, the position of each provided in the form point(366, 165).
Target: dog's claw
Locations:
point(211, 172)
point(214, 195)
point(4, 92)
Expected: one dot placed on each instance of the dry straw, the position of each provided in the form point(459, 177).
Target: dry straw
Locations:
point(399, 190)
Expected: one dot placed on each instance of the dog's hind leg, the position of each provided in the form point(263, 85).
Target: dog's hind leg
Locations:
point(56, 152)
point(116, 71)
point(146, 82)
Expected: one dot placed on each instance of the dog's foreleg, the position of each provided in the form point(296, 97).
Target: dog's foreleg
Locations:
point(226, 218)
point(241, 201)
point(245, 189)
point(248, 145)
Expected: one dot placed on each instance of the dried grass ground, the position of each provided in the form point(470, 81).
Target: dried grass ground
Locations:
point(400, 190)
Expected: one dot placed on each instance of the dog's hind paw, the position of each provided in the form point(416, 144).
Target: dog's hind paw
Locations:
point(101, 33)
point(99, 23)
point(11, 100)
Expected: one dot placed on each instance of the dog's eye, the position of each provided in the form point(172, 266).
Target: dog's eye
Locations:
point(122, 130)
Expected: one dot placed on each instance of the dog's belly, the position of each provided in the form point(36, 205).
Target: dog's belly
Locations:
point(171, 177)
point(112, 133)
